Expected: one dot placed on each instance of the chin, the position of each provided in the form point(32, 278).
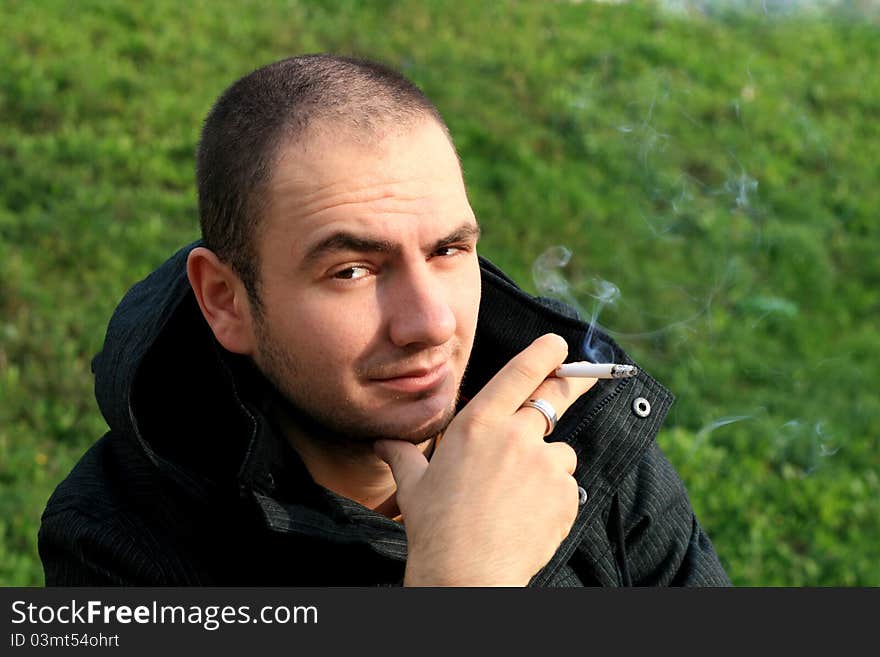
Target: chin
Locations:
point(416, 432)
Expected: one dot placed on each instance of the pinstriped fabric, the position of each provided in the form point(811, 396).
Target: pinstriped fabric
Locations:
point(665, 544)
point(95, 553)
point(96, 535)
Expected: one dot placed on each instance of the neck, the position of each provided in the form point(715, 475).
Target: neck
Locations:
point(348, 468)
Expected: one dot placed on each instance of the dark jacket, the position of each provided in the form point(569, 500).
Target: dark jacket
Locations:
point(193, 485)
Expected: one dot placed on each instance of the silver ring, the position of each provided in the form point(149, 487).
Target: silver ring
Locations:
point(546, 409)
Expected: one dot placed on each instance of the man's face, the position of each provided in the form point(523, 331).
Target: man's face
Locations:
point(370, 283)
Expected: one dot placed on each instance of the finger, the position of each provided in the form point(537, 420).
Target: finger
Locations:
point(515, 382)
point(560, 393)
point(407, 463)
point(564, 455)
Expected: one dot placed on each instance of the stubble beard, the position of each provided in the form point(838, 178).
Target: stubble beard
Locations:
point(324, 424)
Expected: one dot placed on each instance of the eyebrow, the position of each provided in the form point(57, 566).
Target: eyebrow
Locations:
point(344, 241)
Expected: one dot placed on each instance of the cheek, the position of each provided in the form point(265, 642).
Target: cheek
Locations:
point(337, 332)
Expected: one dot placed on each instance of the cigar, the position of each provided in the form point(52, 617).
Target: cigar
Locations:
point(597, 370)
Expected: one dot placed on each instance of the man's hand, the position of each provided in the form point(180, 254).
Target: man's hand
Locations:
point(496, 500)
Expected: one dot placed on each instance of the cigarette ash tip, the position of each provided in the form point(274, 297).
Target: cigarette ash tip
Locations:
point(624, 371)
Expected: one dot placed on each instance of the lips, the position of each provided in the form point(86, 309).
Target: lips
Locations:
point(416, 380)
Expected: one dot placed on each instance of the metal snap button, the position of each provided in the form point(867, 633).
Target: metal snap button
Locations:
point(642, 407)
point(582, 496)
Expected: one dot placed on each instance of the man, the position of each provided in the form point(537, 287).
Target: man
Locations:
point(332, 389)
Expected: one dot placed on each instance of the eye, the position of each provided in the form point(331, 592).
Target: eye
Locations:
point(446, 251)
point(352, 273)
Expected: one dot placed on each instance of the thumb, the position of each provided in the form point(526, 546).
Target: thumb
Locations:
point(407, 463)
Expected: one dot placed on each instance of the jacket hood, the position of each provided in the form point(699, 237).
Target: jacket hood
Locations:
point(162, 379)
point(138, 321)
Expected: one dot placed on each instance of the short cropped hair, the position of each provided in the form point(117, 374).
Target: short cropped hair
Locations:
point(270, 108)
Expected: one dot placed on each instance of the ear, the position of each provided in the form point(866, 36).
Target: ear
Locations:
point(222, 299)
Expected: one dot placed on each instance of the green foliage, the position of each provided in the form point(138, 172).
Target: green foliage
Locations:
point(720, 171)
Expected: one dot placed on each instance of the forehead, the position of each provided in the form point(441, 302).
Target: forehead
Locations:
point(400, 180)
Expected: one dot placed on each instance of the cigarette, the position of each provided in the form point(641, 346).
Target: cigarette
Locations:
point(597, 370)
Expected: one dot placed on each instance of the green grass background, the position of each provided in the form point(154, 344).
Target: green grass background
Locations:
point(720, 169)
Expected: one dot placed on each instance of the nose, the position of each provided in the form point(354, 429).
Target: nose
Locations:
point(420, 310)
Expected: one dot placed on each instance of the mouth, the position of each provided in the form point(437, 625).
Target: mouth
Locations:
point(416, 380)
